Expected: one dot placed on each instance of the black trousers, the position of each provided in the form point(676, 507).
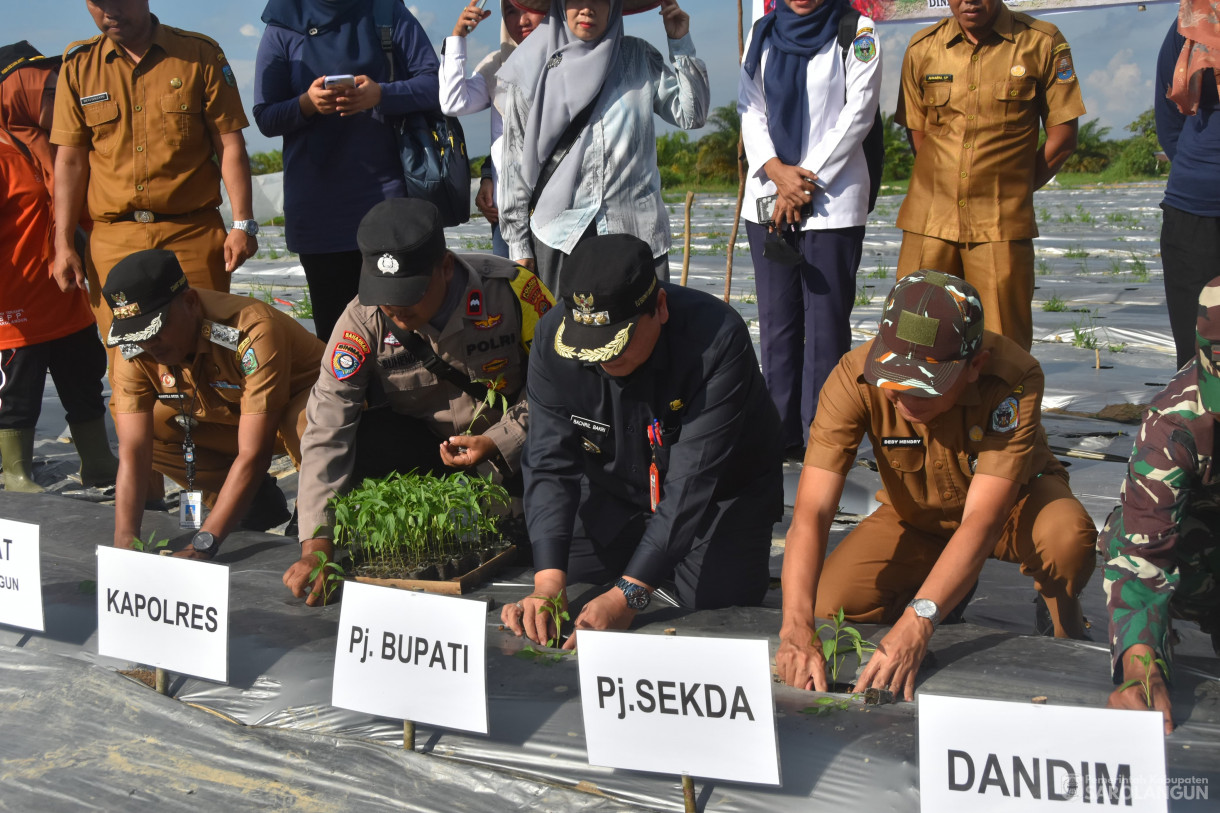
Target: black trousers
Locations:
point(548, 262)
point(77, 363)
point(727, 566)
point(333, 280)
point(1190, 255)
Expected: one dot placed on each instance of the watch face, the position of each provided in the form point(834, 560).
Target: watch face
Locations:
point(637, 597)
point(203, 541)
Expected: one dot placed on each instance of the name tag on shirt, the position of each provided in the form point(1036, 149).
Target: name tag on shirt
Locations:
point(590, 425)
point(938, 77)
point(902, 443)
point(94, 99)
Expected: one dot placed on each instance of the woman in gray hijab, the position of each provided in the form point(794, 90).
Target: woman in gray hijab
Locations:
point(579, 152)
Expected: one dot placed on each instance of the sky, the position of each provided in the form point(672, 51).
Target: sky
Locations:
point(1114, 48)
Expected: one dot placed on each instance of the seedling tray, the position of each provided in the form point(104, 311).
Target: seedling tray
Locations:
point(455, 586)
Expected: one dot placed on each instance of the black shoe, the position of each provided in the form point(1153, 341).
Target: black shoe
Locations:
point(268, 509)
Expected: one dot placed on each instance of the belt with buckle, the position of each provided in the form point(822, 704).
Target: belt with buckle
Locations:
point(145, 216)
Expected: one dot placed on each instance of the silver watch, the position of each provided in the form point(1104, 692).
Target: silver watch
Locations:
point(250, 227)
point(926, 608)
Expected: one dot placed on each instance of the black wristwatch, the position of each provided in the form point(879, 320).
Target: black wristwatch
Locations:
point(203, 542)
point(637, 597)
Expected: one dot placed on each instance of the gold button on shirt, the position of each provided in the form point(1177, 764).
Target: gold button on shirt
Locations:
point(150, 127)
point(980, 108)
point(926, 470)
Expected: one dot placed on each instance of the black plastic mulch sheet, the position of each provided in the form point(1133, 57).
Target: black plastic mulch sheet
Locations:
point(78, 735)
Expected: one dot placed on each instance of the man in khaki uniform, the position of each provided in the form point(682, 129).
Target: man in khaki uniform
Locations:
point(407, 369)
point(140, 111)
point(975, 90)
point(954, 416)
point(209, 386)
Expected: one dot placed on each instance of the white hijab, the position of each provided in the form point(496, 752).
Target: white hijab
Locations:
point(562, 75)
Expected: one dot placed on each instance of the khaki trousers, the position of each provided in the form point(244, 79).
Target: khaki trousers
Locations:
point(1001, 271)
point(216, 445)
point(878, 568)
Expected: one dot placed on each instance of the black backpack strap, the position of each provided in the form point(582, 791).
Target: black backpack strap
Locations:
point(383, 18)
point(848, 24)
point(562, 148)
point(422, 349)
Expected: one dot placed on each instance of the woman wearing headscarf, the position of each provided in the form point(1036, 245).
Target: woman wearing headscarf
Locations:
point(340, 151)
point(1185, 101)
point(806, 106)
point(461, 96)
point(41, 327)
point(579, 71)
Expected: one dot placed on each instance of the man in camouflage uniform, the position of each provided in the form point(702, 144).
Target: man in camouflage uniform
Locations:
point(429, 331)
point(1161, 545)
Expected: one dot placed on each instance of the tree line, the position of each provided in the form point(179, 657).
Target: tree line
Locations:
point(711, 162)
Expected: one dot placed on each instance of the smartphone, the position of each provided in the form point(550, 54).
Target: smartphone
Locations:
point(766, 209)
point(480, 5)
point(344, 79)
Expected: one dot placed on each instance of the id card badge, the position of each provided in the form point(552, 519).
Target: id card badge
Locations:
point(190, 510)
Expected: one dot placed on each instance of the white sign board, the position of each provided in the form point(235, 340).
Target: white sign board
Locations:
point(162, 611)
point(699, 706)
point(1007, 757)
point(412, 656)
point(20, 576)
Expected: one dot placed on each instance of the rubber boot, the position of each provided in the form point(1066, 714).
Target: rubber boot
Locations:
point(98, 465)
point(17, 454)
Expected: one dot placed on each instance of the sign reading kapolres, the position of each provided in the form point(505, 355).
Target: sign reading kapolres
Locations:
point(671, 705)
point(412, 656)
point(163, 611)
point(20, 576)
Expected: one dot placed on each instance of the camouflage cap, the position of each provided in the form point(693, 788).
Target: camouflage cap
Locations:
point(932, 323)
point(1207, 340)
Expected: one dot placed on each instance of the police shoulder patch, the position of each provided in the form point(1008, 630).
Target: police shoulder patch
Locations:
point(345, 360)
point(1007, 416)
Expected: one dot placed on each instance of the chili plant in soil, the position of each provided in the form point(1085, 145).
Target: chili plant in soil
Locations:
point(419, 526)
point(843, 640)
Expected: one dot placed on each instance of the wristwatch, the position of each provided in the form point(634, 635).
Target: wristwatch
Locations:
point(637, 597)
point(203, 542)
point(250, 227)
point(926, 608)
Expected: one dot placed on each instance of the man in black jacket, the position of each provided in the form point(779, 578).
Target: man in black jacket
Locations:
point(654, 449)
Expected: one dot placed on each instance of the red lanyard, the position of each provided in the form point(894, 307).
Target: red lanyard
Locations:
point(654, 475)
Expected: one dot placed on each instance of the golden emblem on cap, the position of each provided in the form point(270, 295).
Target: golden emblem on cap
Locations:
point(126, 311)
point(976, 433)
point(175, 82)
point(119, 298)
point(1018, 70)
point(583, 313)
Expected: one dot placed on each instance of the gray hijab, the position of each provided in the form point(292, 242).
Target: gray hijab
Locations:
point(562, 75)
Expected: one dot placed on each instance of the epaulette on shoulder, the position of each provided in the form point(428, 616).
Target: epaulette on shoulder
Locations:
point(923, 33)
point(81, 46)
point(1041, 26)
point(489, 266)
point(182, 32)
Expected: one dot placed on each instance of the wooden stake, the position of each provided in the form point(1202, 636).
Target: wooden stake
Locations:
point(1097, 353)
point(688, 794)
point(162, 681)
point(690, 199)
point(741, 172)
point(408, 735)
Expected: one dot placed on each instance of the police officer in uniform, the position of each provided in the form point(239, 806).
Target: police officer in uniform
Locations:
point(207, 388)
point(954, 416)
point(976, 88)
point(404, 378)
point(140, 112)
point(654, 449)
point(1160, 547)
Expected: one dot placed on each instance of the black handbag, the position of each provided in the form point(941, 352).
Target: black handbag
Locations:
point(431, 146)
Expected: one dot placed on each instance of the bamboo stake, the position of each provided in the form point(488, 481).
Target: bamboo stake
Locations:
point(408, 735)
point(688, 794)
point(741, 173)
point(162, 681)
point(690, 200)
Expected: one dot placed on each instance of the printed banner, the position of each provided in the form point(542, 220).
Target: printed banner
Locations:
point(916, 10)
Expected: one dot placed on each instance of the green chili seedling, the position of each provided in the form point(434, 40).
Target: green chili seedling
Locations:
point(845, 639)
point(151, 545)
point(494, 399)
point(1145, 682)
point(553, 606)
point(334, 575)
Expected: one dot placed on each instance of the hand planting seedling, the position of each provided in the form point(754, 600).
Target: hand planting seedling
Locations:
point(1146, 660)
point(334, 575)
point(554, 607)
point(844, 640)
point(151, 545)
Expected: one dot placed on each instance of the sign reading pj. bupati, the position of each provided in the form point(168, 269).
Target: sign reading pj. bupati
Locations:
point(699, 706)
